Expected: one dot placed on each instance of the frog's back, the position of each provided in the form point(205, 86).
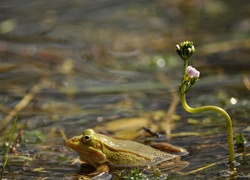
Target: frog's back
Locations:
point(133, 147)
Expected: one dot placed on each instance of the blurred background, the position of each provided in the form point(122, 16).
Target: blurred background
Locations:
point(79, 64)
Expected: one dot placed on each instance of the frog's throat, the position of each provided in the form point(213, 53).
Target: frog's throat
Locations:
point(93, 156)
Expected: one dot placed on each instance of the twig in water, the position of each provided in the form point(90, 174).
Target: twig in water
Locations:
point(22, 104)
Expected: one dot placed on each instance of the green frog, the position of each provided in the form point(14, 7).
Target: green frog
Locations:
point(103, 153)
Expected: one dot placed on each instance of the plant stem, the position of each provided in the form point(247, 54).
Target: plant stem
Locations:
point(220, 111)
point(210, 108)
point(184, 70)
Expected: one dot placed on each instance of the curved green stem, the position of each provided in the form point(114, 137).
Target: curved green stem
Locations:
point(224, 114)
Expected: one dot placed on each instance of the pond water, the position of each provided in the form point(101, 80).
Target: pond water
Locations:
point(77, 64)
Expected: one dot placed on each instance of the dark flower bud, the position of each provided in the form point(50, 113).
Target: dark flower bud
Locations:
point(185, 49)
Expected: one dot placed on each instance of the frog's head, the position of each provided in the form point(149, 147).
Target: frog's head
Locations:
point(87, 146)
point(84, 142)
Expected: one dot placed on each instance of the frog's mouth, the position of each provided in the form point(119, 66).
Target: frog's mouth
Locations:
point(75, 144)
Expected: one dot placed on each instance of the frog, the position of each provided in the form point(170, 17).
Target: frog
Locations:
point(105, 153)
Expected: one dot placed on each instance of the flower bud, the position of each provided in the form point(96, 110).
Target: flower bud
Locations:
point(192, 72)
point(185, 49)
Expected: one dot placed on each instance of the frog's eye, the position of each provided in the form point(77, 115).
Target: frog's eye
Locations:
point(86, 138)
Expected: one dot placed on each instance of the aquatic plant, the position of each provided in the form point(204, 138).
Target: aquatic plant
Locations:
point(189, 77)
point(6, 152)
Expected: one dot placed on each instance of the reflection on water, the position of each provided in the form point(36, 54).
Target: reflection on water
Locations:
point(106, 60)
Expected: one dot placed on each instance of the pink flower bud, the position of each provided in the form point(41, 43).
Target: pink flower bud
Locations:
point(192, 72)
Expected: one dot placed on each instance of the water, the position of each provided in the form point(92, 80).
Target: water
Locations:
point(99, 61)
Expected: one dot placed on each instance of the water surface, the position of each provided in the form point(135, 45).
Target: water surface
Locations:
point(90, 63)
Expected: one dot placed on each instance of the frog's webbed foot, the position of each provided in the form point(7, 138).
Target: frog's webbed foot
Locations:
point(99, 170)
point(103, 175)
